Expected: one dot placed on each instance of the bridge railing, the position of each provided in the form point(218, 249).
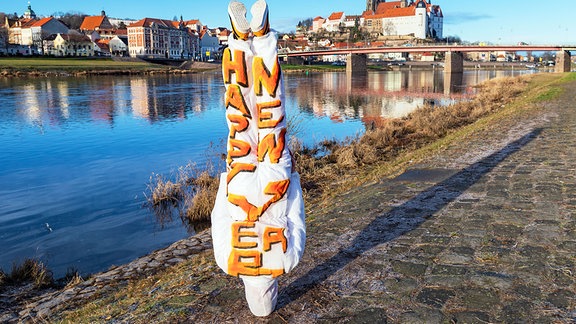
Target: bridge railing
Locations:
point(429, 48)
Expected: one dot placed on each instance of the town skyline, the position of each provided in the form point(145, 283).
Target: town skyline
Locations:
point(493, 21)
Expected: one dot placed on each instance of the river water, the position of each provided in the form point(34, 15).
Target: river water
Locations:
point(77, 153)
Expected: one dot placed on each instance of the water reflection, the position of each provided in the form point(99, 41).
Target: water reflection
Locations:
point(55, 101)
point(378, 95)
point(389, 94)
point(382, 95)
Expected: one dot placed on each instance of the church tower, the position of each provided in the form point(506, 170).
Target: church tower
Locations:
point(29, 13)
point(373, 4)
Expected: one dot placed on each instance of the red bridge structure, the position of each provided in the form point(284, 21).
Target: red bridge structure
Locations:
point(454, 54)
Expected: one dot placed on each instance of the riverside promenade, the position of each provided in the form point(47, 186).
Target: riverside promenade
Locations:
point(484, 231)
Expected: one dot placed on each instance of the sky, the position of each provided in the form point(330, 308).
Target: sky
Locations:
point(493, 21)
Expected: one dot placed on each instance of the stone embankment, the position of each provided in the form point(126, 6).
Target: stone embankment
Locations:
point(51, 302)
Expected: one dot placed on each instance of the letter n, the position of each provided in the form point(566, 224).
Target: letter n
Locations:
point(265, 78)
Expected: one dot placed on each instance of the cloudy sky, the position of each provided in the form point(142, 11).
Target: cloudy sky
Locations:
point(499, 22)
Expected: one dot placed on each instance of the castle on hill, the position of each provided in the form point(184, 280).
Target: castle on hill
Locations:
point(418, 18)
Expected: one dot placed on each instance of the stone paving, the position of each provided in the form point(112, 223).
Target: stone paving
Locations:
point(483, 232)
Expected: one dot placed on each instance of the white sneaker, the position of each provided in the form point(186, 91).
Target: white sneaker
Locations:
point(260, 23)
point(240, 26)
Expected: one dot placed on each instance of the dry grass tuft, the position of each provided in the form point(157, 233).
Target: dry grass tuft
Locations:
point(30, 270)
point(199, 204)
point(72, 278)
point(190, 196)
point(3, 278)
point(164, 196)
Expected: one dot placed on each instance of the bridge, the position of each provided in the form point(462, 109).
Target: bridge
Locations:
point(454, 54)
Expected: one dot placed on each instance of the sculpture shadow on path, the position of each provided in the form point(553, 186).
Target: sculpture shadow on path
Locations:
point(402, 219)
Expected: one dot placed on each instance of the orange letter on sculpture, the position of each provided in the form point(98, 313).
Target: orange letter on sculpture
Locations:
point(238, 234)
point(234, 98)
point(272, 236)
point(237, 149)
point(277, 189)
point(252, 212)
point(238, 265)
point(265, 117)
point(239, 124)
point(263, 77)
point(237, 66)
point(249, 263)
point(269, 146)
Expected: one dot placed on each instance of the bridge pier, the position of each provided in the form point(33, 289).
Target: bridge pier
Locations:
point(563, 62)
point(356, 64)
point(453, 82)
point(454, 62)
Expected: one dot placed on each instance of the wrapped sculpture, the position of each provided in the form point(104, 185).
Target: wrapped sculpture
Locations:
point(258, 226)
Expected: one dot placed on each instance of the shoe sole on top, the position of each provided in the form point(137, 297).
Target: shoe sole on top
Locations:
point(240, 25)
point(260, 24)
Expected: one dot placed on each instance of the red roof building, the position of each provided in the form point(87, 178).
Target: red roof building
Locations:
point(95, 23)
point(334, 21)
point(159, 39)
point(32, 31)
point(317, 24)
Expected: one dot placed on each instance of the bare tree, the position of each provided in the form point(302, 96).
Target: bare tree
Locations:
point(3, 32)
point(389, 28)
point(73, 19)
point(39, 40)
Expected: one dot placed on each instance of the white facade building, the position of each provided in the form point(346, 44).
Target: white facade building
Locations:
point(334, 22)
point(158, 39)
point(400, 18)
point(317, 24)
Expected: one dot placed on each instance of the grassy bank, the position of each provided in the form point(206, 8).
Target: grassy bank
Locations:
point(48, 67)
point(70, 64)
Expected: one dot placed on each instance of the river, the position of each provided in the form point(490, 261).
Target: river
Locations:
point(77, 153)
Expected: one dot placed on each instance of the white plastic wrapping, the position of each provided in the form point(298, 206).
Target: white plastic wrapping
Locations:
point(258, 226)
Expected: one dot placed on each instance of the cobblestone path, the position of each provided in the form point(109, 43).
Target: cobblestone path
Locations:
point(484, 232)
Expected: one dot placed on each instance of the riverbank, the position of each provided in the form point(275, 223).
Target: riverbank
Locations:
point(11, 67)
point(407, 265)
